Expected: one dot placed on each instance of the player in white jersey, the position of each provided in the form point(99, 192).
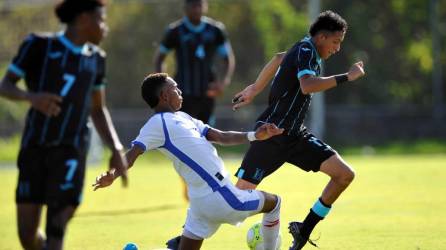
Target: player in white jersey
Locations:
point(214, 200)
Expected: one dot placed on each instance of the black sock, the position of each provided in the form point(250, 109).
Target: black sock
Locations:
point(309, 223)
point(316, 214)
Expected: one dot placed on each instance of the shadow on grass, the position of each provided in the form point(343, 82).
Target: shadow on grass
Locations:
point(128, 211)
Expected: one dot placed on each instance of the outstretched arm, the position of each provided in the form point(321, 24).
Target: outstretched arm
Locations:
point(312, 84)
point(247, 95)
point(264, 132)
point(107, 178)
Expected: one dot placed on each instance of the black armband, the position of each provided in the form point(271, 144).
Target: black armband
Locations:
point(342, 78)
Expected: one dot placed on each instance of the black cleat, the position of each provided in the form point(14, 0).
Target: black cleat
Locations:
point(174, 243)
point(299, 241)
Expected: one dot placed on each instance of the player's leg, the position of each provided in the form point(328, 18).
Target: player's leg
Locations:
point(341, 175)
point(271, 220)
point(57, 221)
point(261, 159)
point(315, 155)
point(30, 198)
point(28, 219)
point(190, 241)
point(64, 190)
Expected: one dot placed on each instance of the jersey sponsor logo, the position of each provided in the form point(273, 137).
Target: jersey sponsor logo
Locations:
point(186, 37)
point(55, 55)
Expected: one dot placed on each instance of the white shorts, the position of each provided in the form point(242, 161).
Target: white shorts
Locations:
point(226, 205)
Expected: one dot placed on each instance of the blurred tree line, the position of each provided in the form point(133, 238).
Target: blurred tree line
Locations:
point(392, 37)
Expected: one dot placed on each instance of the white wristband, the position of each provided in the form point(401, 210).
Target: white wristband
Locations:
point(251, 135)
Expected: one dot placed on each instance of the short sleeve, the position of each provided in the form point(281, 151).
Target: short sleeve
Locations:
point(222, 42)
point(25, 57)
point(169, 41)
point(202, 127)
point(101, 80)
point(304, 58)
point(150, 136)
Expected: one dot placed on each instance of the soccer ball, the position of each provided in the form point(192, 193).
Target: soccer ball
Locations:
point(254, 238)
point(130, 246)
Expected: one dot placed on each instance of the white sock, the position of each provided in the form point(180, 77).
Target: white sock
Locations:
point(271, 227)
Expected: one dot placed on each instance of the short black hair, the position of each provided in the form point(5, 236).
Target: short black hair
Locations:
point(151, 88)
point(68, 10)
point(328, 21)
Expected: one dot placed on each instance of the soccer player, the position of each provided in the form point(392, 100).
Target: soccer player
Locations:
point(296, 79)
point(196, 40)
point(186, 141)
point(64, 76)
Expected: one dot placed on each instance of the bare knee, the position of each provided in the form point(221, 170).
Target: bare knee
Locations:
point(345, 176)
point(339, 171)
point(271, 202)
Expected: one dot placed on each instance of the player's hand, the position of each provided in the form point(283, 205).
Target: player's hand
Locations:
point(215, 89)
point(356, 71)
point(119, 162)
point(244, 97)
point(46, 103)
point(267, 131)
point(104, 180)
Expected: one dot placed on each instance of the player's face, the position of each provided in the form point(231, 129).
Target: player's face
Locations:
point(96, 28)
point(173, 95)
point(330, 43)
point(195, 10)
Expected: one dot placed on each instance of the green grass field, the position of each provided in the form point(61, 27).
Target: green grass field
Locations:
point(395, 202)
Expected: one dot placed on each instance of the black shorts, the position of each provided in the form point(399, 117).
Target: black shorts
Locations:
point(200, 108)
point(264, 157)
point(51, 174)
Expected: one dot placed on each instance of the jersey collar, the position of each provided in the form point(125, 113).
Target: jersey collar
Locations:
point(70, 45)
point(308, 40)
point(194, 28)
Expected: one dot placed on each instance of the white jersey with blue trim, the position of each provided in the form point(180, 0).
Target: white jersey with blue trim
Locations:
point(183, 139)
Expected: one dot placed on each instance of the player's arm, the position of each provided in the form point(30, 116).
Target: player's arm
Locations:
point(47, 103)
point(104, 125)
point(264, 132)
point(169, 41)
point(312, 84)
point(216, 88)
point(107, 178)
point(269, 70)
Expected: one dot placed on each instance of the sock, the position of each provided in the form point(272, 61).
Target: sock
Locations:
point(316, 214)
point(271, 227)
